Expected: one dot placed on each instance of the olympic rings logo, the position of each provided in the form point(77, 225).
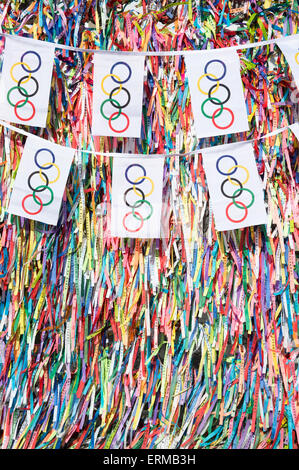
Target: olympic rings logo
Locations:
point(141, 198)
point(20, 85)
point(40, 188)
point(115, 92)
point(236, 192)
point(213, 100)
point(297, 58)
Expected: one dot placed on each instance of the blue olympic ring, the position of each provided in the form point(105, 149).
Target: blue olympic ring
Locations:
point(44, 167)
point(206, 70)
point(222, 172)
point(126, 65)
point(39, 61)
point(142, 178)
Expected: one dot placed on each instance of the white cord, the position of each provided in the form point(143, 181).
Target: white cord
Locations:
point(156, 155)
point(247, 45)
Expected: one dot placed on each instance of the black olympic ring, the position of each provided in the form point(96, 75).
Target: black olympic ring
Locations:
point(123, 105)
point(39, 59)
point(142, 178)
point(44, 167)
point(220, 102)
point(206, 70)
point(36, 84)
point(29, 181)
point(234, 195)
point(125, 197)
point(126, 65)
point(222, 172)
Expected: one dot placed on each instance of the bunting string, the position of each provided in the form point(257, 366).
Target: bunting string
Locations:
point(127, 155)
point(242, 46)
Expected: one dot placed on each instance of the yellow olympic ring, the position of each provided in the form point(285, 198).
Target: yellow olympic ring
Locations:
point(296, 58)
point(58, 172)
point(146, 178)
point(238, 166)
point(111, 75)
point(207, 75)
point(13, 78)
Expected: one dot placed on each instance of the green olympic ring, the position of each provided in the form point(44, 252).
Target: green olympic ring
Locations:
point(118, 106)
point(46, 187)
point(17, 88)
point(205, 114)
point(146, 202)
point(238, 191)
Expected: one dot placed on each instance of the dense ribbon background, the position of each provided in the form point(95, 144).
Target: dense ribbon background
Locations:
point(220, 367)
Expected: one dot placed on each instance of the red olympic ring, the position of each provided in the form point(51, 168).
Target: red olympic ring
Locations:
point(122, 130)
point(137, 229)
point(39, 200)
point(19, 117)
point(223, 127)
point(240, 220)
